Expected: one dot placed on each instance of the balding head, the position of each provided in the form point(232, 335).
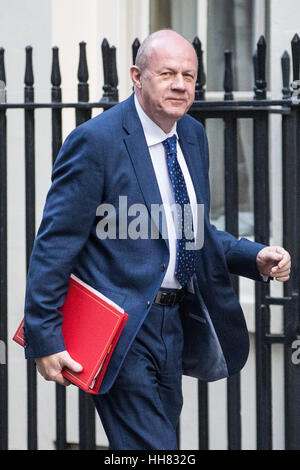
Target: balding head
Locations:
point(164, 77)
point(157, 40)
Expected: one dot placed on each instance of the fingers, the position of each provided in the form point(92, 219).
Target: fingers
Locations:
point(275, 261)
point(285, 262)
point(282, 279)
point(282, 271)
point(52, 374)
point(69, 363)
point(274, 253)
point(282, 275)
point(50, 367)
point(58, 378)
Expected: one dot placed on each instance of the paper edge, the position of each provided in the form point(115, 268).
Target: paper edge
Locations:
point(97, 293)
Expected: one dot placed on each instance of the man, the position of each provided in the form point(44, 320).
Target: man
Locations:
point(148, 151)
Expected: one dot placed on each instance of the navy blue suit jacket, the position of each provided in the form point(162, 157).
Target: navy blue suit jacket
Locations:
point(103, 159)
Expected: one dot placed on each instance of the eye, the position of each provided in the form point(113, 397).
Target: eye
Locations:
point(189, 76)
point(166, 74)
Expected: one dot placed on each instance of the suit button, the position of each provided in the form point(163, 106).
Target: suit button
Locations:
point(163, 267)
point(148, 303)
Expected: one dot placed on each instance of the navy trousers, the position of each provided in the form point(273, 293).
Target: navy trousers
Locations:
point(142, 409)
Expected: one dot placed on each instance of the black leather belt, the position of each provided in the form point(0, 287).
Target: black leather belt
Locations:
point(168, 298)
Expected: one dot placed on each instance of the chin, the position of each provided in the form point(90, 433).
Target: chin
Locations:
point(177, 110)
point(177, 115)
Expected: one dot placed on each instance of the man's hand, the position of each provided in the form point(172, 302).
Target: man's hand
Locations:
point(50, 367)
point(274, 261)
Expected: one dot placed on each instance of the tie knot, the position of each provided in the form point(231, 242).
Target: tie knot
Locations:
point(170, 145)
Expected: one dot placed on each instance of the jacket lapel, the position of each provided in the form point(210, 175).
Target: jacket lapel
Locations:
point(141, 160)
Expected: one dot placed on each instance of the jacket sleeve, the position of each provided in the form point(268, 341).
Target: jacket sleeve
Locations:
point(69, 213)
point(241, 255)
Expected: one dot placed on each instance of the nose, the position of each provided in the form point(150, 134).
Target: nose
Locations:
point(178, 82)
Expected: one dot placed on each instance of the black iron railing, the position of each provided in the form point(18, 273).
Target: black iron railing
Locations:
point(230, 111)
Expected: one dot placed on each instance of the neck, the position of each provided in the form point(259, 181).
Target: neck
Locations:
point(165, 124)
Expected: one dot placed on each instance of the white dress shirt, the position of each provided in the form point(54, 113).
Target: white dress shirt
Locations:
point(154, 137)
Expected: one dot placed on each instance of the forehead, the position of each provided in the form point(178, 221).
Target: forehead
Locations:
point(177, 55)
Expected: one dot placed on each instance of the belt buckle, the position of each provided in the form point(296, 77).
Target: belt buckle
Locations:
point(167, 299)
point(162, 298)
point(173, 298)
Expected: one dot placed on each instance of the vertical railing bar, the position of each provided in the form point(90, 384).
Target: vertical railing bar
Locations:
point(30, 235)
point(290, 169)
point(203, 399)
point(56, 119)
point(262, 323)
point(178, 434)
point(262, 235)
point(232, 226)
point(203, 421)
point(56, 97)
point(291, 226)
point(3, 264)
point(87, 439)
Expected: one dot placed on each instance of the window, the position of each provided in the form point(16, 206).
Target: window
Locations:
point(235, 25)
point(229, 24)
point(176, 14)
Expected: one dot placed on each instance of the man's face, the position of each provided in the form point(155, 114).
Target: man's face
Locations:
point(167, 85)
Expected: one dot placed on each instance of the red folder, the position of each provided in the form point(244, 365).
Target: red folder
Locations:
point(91, 327)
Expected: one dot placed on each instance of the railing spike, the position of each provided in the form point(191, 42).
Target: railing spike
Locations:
point(259, 60)
point(105, 59)
point(83, 74)
point(201, 78)
point(135, 47)
point(228, 76)
point(2, 77)
point(2, 66)
point(28, 80)
point(285, 67)
point(296, 56)
point(55, 72)
point(110, 72)
point(113, 65)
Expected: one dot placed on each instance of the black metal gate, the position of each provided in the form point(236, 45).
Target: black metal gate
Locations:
point(230, 112)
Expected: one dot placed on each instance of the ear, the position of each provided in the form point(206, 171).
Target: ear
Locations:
point(136, 76)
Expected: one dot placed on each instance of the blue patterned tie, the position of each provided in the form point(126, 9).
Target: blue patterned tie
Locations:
point(185, 259)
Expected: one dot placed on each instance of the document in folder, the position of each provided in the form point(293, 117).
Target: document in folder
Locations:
point(91, 327)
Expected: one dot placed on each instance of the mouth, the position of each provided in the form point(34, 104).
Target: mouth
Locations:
point(177, 100)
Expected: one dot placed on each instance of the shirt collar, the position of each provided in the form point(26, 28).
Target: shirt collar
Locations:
point(153, 133)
